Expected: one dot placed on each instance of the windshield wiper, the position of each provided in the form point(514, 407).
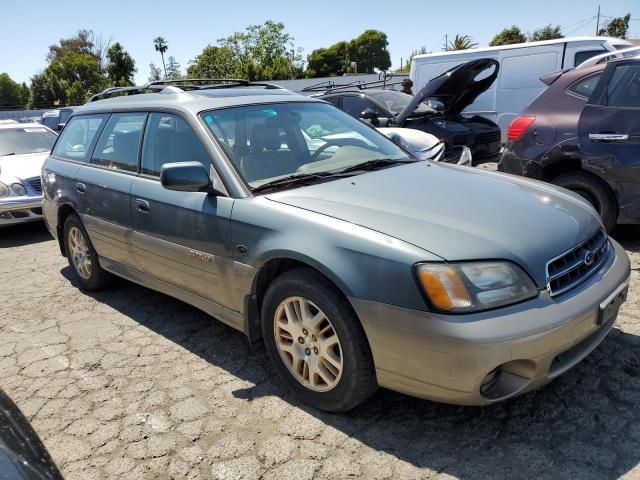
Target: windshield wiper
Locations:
point(7, 154)
point(373, 164)
point(292, 180)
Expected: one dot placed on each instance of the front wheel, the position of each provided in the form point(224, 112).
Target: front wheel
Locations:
point(316, 343)
point(594, 191)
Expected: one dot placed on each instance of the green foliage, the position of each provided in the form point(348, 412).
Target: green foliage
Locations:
point(368, 51)
point(461, 42)
point(154, 73)
point(47, 91)
point(173, 69)
point(161, 46)
point(546, 33)
point(617, 27)
point(407, 63)
point(11, 95)
point(120, 66)
point(261, 52)
point(508, 36)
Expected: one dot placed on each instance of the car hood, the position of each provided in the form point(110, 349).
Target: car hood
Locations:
point(22, 166)
point(457, 213)
point(456, 88)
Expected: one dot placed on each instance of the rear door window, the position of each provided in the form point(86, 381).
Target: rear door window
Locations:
point(623, 89)
point(119, 142)
point(170, 139)
point(78, 137)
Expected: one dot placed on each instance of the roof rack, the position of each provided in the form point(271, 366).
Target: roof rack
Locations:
point(181, 85)
point(330, 86)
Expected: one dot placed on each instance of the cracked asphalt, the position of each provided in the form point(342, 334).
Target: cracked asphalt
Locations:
point(128, 383)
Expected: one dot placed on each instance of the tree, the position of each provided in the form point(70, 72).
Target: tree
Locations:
point(461, 42)
point(546, 33)
point(617, 27)
point(407, 64)
point(368, 51)
point(154, 73)
point(46, 91)
point(120, 66)
point(10, 93)
point(508, 36)
point(161, 46)
point(25, 94)
point(261, 52)
point(173, 69)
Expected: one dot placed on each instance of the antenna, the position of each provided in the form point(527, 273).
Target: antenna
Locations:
point(598, 21)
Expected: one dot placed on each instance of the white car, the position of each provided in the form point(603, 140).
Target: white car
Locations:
point(23, 149)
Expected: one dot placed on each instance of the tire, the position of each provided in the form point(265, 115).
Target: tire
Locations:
point(595, 192)
point(90, 276)
point(326, 386)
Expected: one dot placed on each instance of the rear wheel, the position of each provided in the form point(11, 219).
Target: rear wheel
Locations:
point(316, 343)
point(82, 257)
point(594, 191)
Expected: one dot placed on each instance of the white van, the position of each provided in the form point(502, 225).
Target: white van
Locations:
point(521, 66)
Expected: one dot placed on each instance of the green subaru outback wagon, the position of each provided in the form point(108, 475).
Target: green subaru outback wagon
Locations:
point(357, 265)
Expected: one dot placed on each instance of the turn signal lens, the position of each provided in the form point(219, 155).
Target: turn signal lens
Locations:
point(519, 125)
point(445, 288)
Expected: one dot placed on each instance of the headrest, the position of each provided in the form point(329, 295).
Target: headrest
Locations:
point(265, 138)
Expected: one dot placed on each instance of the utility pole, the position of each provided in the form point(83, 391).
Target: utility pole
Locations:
point(598, 21)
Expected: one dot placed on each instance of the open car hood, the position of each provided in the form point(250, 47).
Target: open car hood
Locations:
point(456, 88)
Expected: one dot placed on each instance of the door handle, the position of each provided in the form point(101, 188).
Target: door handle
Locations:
point(81, 187)
point(142, 206)
point(608, 137)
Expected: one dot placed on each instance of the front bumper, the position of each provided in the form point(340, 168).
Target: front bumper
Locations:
point(20, 210)
point(450, 358)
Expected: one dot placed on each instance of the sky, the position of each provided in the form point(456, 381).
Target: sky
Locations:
point(29, 27)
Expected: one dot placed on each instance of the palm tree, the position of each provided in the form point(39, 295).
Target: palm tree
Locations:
point(461, 42)
point(161, 46)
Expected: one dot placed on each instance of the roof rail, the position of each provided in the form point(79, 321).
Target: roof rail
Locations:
point(610, 55)
point(180, 85)
point(330, 86)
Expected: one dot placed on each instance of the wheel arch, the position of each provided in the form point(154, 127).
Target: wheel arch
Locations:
point(64, 211)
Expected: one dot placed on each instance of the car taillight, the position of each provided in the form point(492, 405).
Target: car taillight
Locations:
point(519, 126)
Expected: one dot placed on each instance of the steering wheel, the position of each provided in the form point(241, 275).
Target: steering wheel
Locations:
point(330, 143)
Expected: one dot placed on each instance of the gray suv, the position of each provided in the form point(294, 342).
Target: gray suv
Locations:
point(357, 265)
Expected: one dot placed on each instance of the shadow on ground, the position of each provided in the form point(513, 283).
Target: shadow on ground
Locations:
point(583, 425)
point(24, 234)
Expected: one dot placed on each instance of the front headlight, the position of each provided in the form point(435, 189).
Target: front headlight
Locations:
point(19, 189)
point(4, 190)
point(474, 286)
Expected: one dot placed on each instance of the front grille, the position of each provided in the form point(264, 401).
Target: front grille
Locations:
point(487, 137)
point(36, 184)
point(572, 268)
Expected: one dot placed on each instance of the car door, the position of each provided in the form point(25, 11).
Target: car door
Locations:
point(103, 186)
point(180, 238)
point(609, 135)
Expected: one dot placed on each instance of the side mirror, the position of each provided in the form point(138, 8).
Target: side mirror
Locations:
point(371, 115)
point(436, 105)
point(185, 177)
point(60, 126)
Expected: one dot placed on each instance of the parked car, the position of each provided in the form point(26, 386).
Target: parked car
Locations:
point(521, 65)
point(358, 265)
point(583, 134)
point(22, 454)
point(23, 149)
point(435, 109)
point(56, 119)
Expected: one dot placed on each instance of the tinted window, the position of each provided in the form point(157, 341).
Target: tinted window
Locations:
point(78, 136)
point(623, 89)
point(585, 86)
point(16, 141)
point(119, 142)
point(334, 100)
point(354, 106)
point(168, 139)
point(586, 55)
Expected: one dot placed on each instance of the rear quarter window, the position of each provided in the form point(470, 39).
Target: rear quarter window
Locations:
point(78, 136)
point(585, 86)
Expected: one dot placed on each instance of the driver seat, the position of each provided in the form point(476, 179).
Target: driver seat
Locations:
point(266, 158)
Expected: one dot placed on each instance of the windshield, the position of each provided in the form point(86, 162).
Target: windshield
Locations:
point(269, 142)
point(17, 141)
point(397, 101)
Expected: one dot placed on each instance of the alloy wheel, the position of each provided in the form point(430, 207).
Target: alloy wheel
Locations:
point(79, 251)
